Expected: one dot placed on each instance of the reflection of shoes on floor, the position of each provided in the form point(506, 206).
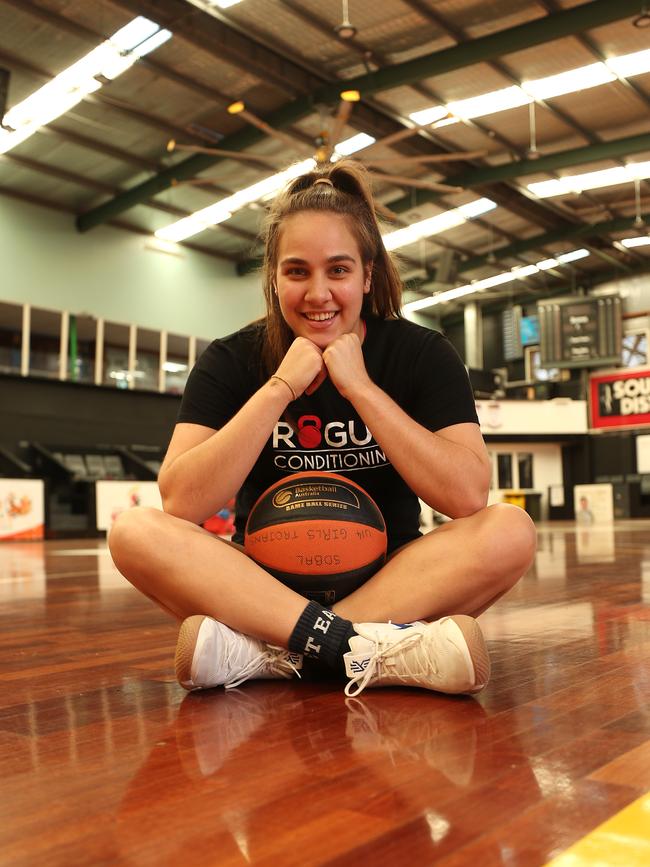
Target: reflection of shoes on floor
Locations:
point(217, 728)
point(449, 655)
point(208, 654)
point(413, 734)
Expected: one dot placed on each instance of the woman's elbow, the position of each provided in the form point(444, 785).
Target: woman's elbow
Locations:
point(175, 504)
point(472, 501)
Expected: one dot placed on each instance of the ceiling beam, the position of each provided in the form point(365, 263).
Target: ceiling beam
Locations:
point(541, 30)
point(519, 168)
point(621, 224)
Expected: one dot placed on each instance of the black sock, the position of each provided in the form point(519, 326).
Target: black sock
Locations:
point(321, 634)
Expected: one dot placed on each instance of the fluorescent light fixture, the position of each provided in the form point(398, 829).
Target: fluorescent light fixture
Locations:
point(222, 210)
point(429, 115)
point(211, 5)
point(477, 208)
point(67, 89)
point(569, 82)
point(489, 103)
point(174, 367)
point(437, 224)
point(630, 64)
point(352, 145)
point(192, 225)
point(545, 264)
point(160, 246)
point(643, 241)
point(516, 273)
point(590, 180)
point(574, 255)
point(562, 259)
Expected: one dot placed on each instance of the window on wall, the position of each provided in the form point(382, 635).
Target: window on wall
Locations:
point(83, 348)
point(11, 336)
point(176, 366)
point(525, 470)
point(504, 471)
point(45, 343)
point(116, 355)
point(147, 361)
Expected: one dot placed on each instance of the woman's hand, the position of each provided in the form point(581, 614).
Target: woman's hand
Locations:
point(303, 366)
point(345, 365)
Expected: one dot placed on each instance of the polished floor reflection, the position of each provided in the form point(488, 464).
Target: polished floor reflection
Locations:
point(105, 760)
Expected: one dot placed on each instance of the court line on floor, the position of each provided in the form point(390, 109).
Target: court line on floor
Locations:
point(621, 841)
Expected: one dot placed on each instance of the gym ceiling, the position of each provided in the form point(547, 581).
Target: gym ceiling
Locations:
point(108, 160)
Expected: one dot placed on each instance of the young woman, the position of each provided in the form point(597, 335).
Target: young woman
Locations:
point(392, 406)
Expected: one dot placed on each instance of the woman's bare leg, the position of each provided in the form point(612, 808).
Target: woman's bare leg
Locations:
point(462, 567)
point(187, 570)
point(459, 568)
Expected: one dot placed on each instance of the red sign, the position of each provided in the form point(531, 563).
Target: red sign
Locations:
point(620, 399)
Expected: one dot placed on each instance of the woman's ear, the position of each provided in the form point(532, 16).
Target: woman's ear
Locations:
point(368, 281)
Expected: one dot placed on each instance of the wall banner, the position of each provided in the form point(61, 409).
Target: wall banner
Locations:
point(620, 399)
point(22, 509)
point(113, 497)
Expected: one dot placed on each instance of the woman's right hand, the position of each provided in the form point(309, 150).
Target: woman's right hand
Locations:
point(303, 366)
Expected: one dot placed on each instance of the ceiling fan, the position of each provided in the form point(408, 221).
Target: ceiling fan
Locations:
point(326, 143)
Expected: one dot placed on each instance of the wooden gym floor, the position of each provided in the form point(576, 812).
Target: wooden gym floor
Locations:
point(105, 760)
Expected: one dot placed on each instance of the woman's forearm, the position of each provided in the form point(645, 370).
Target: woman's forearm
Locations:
point(450, 477)
point(200, 481)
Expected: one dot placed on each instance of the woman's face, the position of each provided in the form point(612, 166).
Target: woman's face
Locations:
point(320, 278)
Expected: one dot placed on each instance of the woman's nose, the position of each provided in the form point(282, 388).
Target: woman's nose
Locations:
point(318, 289)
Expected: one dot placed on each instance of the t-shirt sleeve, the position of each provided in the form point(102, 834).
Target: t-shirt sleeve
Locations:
point(442, 391)
point(216, 389)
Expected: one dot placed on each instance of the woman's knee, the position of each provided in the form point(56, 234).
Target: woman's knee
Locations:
point(133, 532)
point(512, 538)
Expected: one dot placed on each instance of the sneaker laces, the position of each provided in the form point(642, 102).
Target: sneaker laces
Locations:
point(379, 655)
point(273, 659)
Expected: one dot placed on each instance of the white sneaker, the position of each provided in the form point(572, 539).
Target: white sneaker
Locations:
point(449, 655)
point(208, 654)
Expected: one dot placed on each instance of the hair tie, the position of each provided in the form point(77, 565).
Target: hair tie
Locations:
point(323, 181)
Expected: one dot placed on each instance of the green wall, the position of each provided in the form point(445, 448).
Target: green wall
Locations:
point(110, 273)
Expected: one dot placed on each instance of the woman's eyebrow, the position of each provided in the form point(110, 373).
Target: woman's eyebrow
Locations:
point(296, 260)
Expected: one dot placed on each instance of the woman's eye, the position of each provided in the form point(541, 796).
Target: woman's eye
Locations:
point(340, 269)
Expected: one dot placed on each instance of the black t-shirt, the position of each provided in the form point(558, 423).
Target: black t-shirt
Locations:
point(417, 367)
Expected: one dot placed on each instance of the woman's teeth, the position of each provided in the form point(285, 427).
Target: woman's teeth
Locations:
point(320, 317)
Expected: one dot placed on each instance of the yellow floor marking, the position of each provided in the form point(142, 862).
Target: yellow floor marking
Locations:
point(622, 841)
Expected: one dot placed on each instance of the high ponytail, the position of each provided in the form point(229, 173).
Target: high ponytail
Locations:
point(341, 188)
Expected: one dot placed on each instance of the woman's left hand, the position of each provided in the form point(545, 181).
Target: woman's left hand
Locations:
point(345, 365)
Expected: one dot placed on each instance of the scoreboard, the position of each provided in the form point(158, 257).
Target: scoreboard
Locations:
point(580, 331)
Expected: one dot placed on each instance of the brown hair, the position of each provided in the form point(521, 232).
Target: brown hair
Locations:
point(346, 192)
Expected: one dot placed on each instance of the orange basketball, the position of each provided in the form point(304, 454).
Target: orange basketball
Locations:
point(319, 533)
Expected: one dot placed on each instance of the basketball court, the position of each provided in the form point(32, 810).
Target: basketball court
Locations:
point(106, 760)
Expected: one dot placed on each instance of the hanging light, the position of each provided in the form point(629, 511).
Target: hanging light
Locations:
point(345, 30)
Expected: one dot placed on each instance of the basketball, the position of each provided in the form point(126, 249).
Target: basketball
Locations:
point(319, 533)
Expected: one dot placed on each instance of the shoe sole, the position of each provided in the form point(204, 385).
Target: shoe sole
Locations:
point(477, 649)
point(185, 647)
